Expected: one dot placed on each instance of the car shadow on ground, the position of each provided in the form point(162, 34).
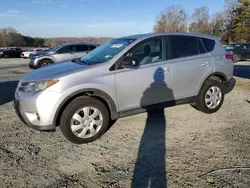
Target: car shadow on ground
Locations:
point(150, 166)
point(7, 91)
point(242, 71)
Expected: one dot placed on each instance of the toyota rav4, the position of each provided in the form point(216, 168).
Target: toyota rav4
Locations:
point(123, 77)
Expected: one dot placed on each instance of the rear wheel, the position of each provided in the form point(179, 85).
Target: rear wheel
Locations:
point(211, 97)
point(45, 62)
point(84, 120)
point(237, 57)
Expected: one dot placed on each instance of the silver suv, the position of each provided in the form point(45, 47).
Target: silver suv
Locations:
point(61, 53)
point(123, 77)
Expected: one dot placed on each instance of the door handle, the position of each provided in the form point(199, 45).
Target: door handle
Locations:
point(166, 69)
point(205, 64)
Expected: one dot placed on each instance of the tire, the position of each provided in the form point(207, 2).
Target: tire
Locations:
point(45, 62)
point(6, 56)
point(201, 103)
point(237, 57)
point(76, 107)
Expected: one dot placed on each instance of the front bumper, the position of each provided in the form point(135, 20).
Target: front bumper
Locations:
point(27, 122)
point(33, 64)
point(230, 84)
point(38, 111)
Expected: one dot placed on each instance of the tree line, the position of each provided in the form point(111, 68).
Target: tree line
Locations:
point(10, 37)
point(232, 24)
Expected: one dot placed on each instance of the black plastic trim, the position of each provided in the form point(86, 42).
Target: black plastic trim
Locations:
point(93, 92)
point(156, 106)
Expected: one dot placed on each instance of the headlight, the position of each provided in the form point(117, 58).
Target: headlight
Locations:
point(36, 86)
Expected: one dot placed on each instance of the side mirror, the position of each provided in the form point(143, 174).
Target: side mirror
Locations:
point(128, 61)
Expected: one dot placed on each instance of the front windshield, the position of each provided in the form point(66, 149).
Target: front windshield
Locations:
point(106, 51)
point(233, 46)
point(229, 47)
point(56, 48)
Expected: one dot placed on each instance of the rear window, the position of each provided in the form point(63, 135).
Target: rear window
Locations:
point(209, 44)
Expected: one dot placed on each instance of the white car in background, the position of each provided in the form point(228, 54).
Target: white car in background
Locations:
point(27, 54)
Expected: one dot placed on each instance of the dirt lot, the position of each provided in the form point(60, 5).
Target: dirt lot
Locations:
point(182, 146)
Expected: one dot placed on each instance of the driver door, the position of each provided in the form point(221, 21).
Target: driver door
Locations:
point(148, 83)
point(65, 53)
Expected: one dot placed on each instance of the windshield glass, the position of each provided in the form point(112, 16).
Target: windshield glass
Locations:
point(56, 48)
point(229, 47)
point(106, 51)
point(234, 45)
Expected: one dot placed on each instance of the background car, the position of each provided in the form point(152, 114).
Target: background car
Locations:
point(61, 53)
point(41, 52)
point(28, 53)
point(240, 51)
point(11, 52)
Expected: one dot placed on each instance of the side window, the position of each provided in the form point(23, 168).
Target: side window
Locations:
point(81, 48)
point(92, 47)
point(65, 49)
point(183, 46)
point(149, 51)
point(209, 44)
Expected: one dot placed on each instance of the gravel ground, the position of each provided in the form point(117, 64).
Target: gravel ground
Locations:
point(179, 147)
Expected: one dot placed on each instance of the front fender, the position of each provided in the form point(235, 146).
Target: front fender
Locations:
point(92, 89)
point(45, 58)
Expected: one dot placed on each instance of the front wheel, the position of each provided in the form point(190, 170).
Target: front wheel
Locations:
point(45, 62)
point(211, 97)
point(6, 56)
point(84, 120)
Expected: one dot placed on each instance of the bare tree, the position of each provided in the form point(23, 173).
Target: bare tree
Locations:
point(9, 36)
point(200, 22)
point(173, 19)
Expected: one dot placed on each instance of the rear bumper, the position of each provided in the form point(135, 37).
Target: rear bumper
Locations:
point(230, 85)
point(27, 122)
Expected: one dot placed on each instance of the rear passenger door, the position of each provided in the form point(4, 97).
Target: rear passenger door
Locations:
point(191, 64)
point(80, 50)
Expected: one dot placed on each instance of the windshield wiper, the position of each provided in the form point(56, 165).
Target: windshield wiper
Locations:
point(83, 62)
point(78, 61)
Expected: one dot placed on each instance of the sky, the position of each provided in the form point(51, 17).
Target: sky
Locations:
point(96, 18)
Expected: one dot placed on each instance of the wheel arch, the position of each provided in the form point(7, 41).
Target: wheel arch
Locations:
point(95, 93)
point(218, 76)
point(45, 58)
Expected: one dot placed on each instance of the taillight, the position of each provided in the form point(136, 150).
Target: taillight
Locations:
point(230, 56)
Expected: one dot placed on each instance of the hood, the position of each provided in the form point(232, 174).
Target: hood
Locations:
point(42, 53)
point(53, 71)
